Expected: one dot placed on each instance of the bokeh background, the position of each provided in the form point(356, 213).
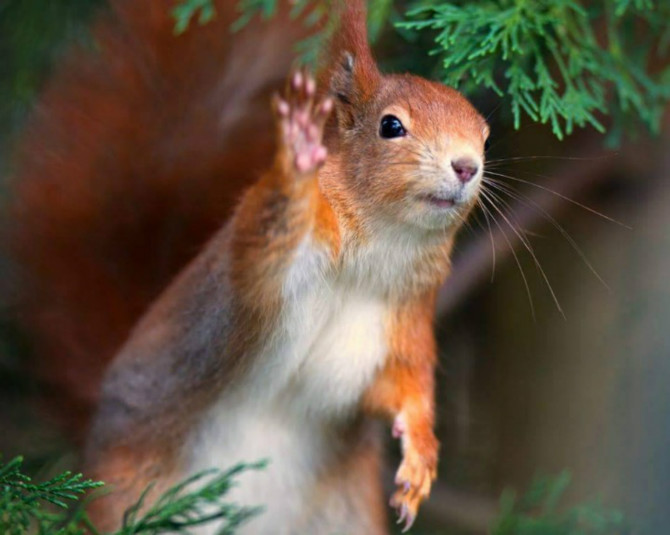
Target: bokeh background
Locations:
point(570, 373)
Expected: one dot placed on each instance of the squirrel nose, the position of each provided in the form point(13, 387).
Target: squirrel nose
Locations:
point(465, 169)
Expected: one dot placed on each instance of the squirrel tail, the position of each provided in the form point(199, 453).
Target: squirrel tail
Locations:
point(135, 154)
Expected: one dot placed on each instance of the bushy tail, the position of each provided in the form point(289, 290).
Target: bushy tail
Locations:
point(134, 155)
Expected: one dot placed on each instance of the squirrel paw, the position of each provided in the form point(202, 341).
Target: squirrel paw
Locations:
point(413, 479)
point(301, 122)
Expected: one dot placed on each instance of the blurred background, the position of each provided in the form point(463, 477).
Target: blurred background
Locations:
point(554, 328)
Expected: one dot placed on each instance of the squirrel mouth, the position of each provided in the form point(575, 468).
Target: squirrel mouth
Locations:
point(439, 202)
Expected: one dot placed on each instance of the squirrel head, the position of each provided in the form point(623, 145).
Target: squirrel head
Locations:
point(412, 150)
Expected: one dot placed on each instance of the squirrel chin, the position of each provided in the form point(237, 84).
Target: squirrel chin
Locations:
point(433, 212)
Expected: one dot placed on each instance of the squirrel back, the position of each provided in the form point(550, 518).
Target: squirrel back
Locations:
point(136, 152)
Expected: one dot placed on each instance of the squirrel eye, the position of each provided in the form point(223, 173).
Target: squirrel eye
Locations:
point(391, 127)
point(487, 145)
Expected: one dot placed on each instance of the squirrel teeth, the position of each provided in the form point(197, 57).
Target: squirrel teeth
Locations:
point(439, 202)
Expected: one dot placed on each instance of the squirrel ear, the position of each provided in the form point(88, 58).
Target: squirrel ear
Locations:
point(353, 82)
point(351, 86)
point(353, 73)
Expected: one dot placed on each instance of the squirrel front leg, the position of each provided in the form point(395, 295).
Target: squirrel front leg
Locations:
point(278, 211)
point(404, 392)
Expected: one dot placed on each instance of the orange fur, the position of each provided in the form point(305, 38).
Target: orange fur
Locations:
point(403, 392)
point(136, 153)
point(128, 472)
point(326, 227)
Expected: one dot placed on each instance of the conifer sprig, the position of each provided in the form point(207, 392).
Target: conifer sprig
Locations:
point(561, 62)
point(539, 512)
point(191, 503)
point(22, 500)
point(50, 508)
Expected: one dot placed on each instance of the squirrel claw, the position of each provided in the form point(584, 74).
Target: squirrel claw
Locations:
point(413, 481)
point(408, 523)
point(297, 80)
point(281, 106)
point(406, 513)
point(301, 123)
point(402, 514)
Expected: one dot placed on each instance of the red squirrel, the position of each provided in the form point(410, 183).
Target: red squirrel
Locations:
point(309, 314)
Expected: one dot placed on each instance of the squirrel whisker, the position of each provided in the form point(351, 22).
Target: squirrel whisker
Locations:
point(527, 201)
point(526, 243)
point(485, 196)
point(560, 195)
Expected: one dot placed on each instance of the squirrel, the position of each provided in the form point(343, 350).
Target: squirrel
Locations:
point(309, 314)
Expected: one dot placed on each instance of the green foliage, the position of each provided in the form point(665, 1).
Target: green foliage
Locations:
point(22, 501)
point(179, 509)
point(538, 513)
point(32, 34)
point(186, 10)
point(559, 61)
point(249, 8)
point(315, 12)
point(28, 507)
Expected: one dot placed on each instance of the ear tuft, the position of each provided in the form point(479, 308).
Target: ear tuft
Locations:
point(342, 78)
point(352, 73)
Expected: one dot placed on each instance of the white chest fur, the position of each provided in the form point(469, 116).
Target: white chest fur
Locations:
point(310, 375)
point(331, 339)
point(336, 343)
